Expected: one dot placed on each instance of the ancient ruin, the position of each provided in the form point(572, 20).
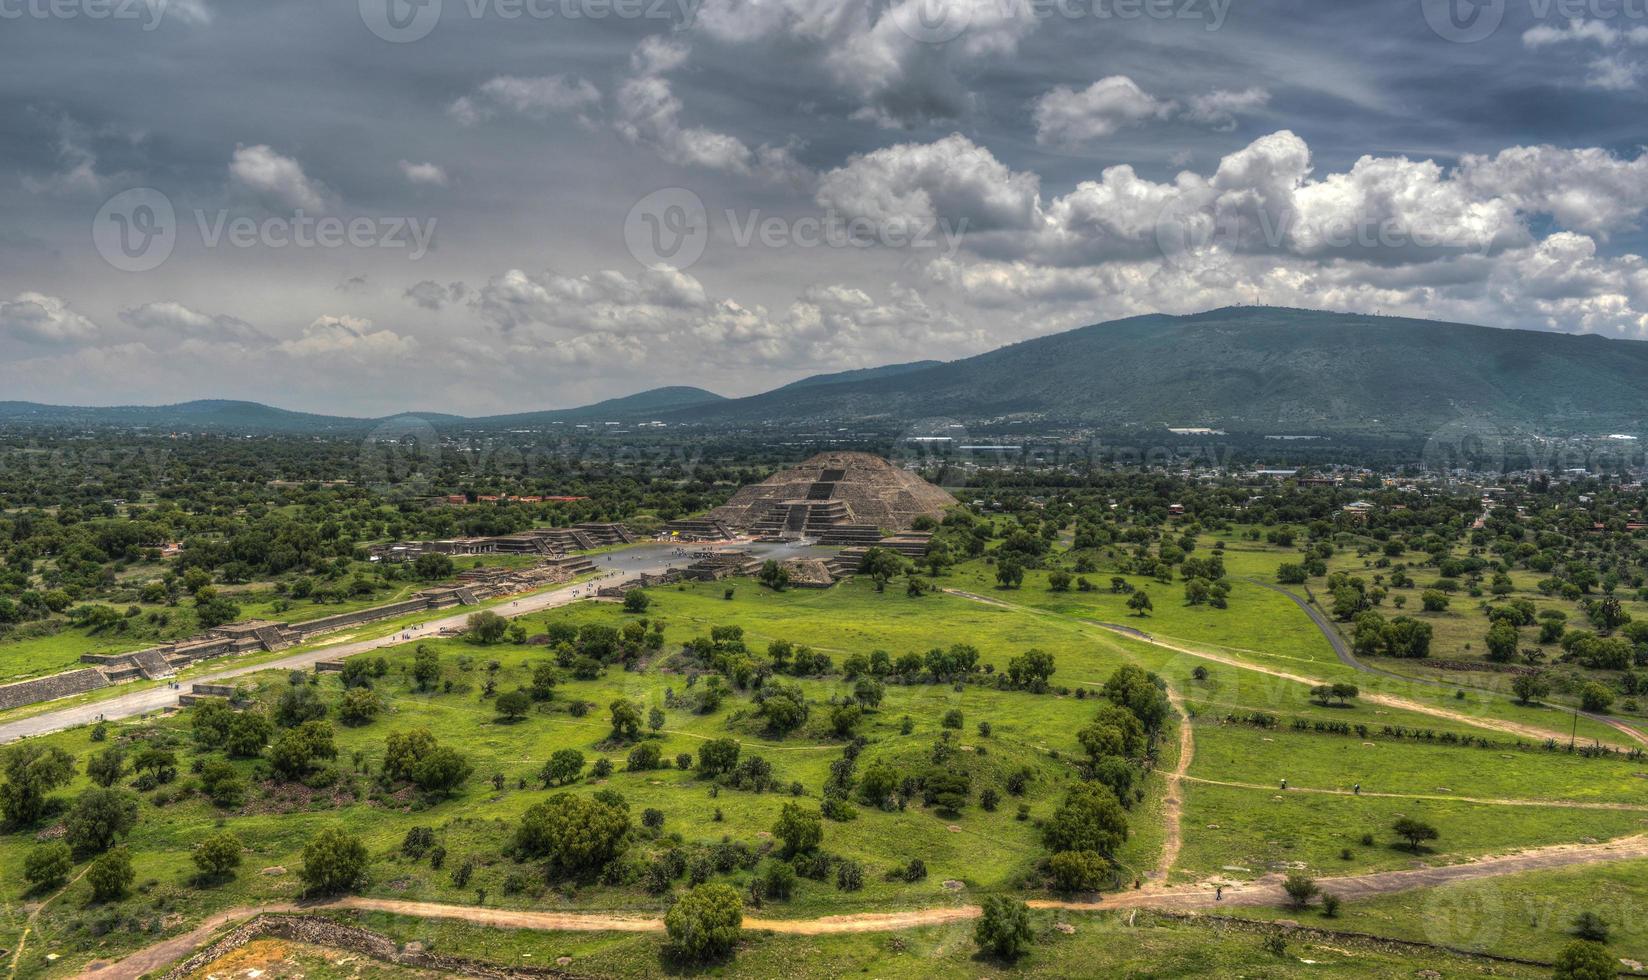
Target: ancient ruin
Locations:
point(837, 497)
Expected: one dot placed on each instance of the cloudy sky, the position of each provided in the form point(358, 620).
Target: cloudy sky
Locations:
point(498, 205)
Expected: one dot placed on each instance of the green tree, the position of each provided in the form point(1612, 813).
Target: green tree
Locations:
point(1595, 697)
point(1501, 641)
point(299, 749)
point(563, 766)
point(403, 750)
point(111, 875)
point(579, 836)
point(359, 705)
point(882, 565)
point(705, 923)
point(248, 733)
point(1089, 819)
point(1530, 687)
point(1580, 960)
point(98, 817)
point(218, 856)
point(1415, 832)
point(1300, 889)
point(32, 770)
point(626, 720)
point(441, 770)
point(485, 627)
point(1004, 929)
point(636, 601)
point(1140, 603)
point(426, 667)
point(106, 767)
point(1078, 871)
point(800, 830)
point(718, 756)
point(513, 705)
point(334, 861)
point(47, 864)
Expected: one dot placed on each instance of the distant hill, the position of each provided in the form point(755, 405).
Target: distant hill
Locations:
point(862, 374)
point(639, 406)
point(1243, 369)
point(1253, 369)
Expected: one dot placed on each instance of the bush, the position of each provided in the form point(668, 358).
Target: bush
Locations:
point(513, 705)
point(1300, 889)
point(643, 757)
point(1582, 960)
point(799, 830)
point(778, 881)
point(849, 875)
point(579, 835)
point(47, 864)
point(705, 924)
point(1330, 905)
point(1589, 925)
point(334, 861)
point(97, 818)
point(952, 718)
point(1077, 871)
point(1004, 929)
point(218, 856)
point(111, 875)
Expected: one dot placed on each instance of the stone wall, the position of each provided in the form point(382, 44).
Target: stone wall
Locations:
point(56, 686)
point(359, 616)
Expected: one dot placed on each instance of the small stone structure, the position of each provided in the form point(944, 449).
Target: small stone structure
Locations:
point(556, 542)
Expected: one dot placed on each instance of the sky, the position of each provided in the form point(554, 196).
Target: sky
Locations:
point(363, 207)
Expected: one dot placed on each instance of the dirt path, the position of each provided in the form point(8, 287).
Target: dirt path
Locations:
point(1386, 700)
point(1447, 797)
point(1265, 891)
point(1349, 659)
point(1173, 802)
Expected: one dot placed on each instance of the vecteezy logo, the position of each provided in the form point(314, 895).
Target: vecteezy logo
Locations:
point(1183, 231)
point(932, 21)
point(400, 21)
point(667, 227)
point(135, 230)
point(1463, 21)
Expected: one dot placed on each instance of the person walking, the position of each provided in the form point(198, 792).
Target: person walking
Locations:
point(1284, 784)
point(1218, 893)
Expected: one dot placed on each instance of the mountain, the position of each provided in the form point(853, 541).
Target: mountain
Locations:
point(1251, 369)
point(201, 416)
point(217, 415)
point(862, 374)
point(1244, 369)
point(637, 407)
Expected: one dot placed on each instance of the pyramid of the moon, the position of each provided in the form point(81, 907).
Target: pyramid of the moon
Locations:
point(833, 490)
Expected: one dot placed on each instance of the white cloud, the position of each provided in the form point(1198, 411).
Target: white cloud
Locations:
point(277, 179)
point(351, 338)
point(537, 97)
point(1584, 189)
point(649, 113)
point(1070, 117)
point(423, 173)
point(952, 179)
point(48, 320)
point(1220, 107)
point(178, 322)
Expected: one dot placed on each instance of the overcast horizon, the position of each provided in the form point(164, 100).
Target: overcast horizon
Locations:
point(491, 206)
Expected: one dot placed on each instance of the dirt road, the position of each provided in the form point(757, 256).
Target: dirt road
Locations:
point(1265, 891)
point(1173, 803)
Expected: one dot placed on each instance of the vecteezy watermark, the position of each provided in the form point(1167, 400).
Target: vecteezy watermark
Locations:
point(404, 21)
point(148, 13)
point(1469, 21)
point(137, 230)
point(672, 227)
point(938, 21)
point(1188, 230)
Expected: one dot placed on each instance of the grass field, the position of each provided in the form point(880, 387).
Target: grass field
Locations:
point(1240, 831)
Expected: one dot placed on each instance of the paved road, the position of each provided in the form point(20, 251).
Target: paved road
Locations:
point(1348, 658)
point(624, 563)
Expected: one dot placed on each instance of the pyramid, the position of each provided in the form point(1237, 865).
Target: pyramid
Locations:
point(836, 489)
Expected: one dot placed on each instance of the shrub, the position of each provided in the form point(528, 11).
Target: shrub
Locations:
point(778, 880)
point(800, 830)
point(111, 875)
point(1589, 925)
point(97, 818)
point(1077, 871)
point(1004, 929)
point(1300, 889)
point(334, 860)
point(47, 864)
point(705, 924)
point(1581, 960)
point(218, 856)
point(579, 836)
